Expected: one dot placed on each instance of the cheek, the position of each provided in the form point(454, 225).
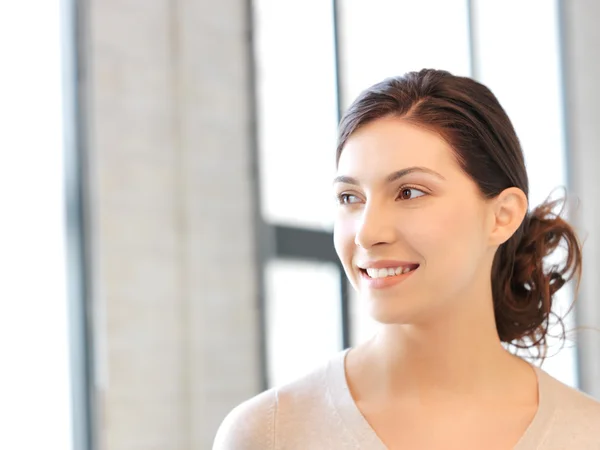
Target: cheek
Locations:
point(450, 243)
point(343, 239)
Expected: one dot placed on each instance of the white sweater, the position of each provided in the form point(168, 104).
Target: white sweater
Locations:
point(318, 412)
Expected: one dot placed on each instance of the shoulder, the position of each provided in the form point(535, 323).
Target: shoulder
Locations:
point(576, 415)
point(250, 425)
point(572, 402)
point(305, 391)
point(285, 411)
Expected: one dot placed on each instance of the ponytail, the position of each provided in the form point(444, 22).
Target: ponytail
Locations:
point(523, 286)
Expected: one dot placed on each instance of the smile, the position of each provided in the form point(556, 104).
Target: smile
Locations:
point(378, 278)
point(388, 272)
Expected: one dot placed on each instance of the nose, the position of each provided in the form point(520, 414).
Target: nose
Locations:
point(376, 227)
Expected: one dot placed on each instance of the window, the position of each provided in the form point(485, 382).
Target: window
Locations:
point(384, 38)
point(297, 110)
point(37, 385)
point(303, 317)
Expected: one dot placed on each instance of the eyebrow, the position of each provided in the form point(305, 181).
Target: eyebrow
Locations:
point(391, 177)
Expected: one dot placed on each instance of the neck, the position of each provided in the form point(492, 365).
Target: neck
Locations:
point(457, 354)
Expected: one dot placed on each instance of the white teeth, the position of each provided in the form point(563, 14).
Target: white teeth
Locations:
point(388, 272)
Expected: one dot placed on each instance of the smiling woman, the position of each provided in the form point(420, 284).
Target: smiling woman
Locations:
point(434, 231)
point(453, 126)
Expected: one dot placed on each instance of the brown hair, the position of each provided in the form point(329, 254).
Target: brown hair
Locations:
point(469, 117)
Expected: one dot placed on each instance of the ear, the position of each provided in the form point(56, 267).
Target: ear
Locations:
point(509, 209)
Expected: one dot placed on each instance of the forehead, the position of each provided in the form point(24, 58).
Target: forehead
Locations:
point(392, 143)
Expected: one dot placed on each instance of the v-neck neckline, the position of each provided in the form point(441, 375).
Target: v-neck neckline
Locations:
point(366, 437)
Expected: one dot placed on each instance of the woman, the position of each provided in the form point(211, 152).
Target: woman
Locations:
point(434, 232)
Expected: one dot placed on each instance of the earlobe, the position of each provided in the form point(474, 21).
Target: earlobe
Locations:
point(510, 208)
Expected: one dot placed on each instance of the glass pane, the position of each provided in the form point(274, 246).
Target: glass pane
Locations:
point(383, 38)
point(35, 386)
point(297, 110)
point(304, 326)
point(509, 64)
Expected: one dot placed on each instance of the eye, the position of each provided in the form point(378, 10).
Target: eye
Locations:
point(409, 193)
point(347, 199)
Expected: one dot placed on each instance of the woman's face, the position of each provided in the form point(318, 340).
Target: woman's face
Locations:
point(411, 228)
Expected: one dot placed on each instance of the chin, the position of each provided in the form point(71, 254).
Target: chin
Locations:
point(391, 314)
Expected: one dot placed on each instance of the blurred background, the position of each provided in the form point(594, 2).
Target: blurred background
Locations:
point(165, 182)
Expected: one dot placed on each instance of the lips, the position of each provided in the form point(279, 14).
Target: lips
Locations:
point(385, 273)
